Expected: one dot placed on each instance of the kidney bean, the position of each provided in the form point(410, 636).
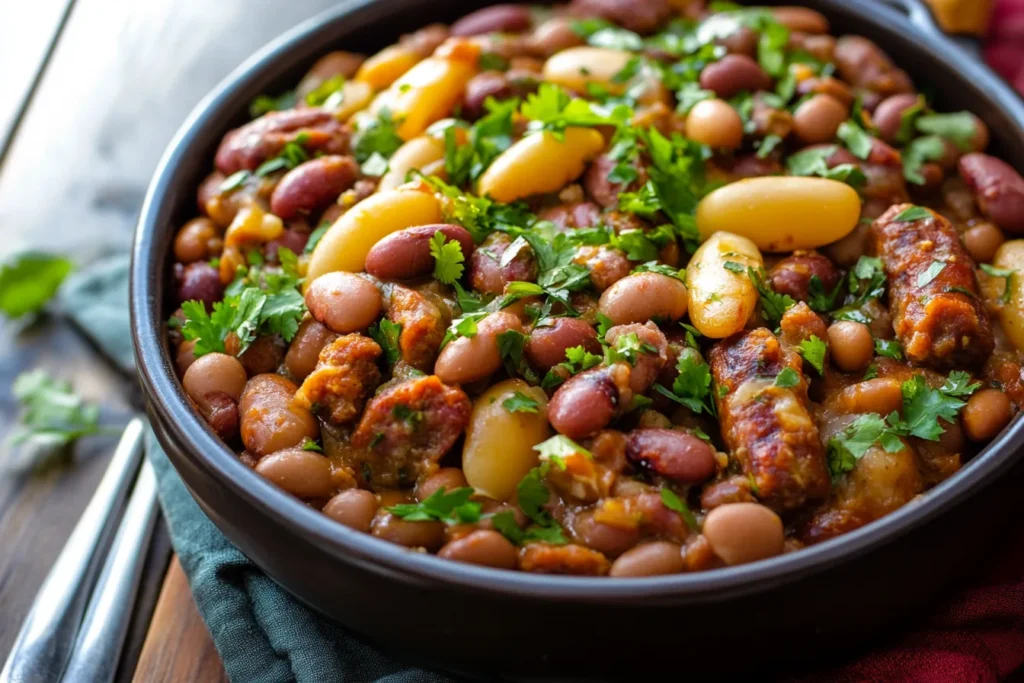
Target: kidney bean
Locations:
point(265, 354)
point(484, 547)
point(888, 115)
point(343, 302)
point(679, 456)
point(429, 535)
point(255, 142)
point(792, 275)
point(516, 82)
point(818, 119)
point(863, 64)
point(547, 345)
point(305, 349)
point(313, 185)
point(826, 86)
point(750, 166)
point(200, 282)
point(607, 265)
point(425, 40)
point(821, 47)
point(305, 474)
point(604, 538)
point(986, 413)
point(769, 120)
point(801, 19)
point(270, 419)
point(355, 508)
point(198, 240)
point(733, 74)
point(586, 403)
point(332, 64)
point(293, 238)
point(735, 489)
point(743, 41)
point(998, 189)
point(639, 17)
point(642, 297)
point(494, 19)
point(221, 413)
point(554, 35)
point(649, 559)
point(648, 363)
point(405, 254)
point(744, 532)
point(982, 241)
point(573, 215)
point(486, 273)
point(447, 478)
point(468, 359)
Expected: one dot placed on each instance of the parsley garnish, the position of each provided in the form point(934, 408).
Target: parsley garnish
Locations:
point(264, 104)
point(309, 444)
point(676, 504)
point(234, 181)
point(1004, 273)
point(327, 94)
point(889, 348)
point(931, 273)
point(656, 267)
point(379, 135)
point(813, 351)
point(814, 162)
point(52, 415)
point(855, 138)
point(959, 128)
point(315, 237)
point(919, 152)
point(520, 403)
point(30, 280)
point(912, 213)
point(692, 386)
point(386, 334)
point(552, 109)
point(557, 448)
point(451, 508)
point(627, 347)
point(787, 378)
point(510, 347)
point(533, 494)
point(291, 155)
point(773, 304)
point(448, 258)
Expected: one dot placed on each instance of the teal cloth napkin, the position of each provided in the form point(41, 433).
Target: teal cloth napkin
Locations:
point(262, 633)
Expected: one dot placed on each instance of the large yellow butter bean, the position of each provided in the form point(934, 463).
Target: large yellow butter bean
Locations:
point(346, 243)
point(722, 300)
point(782, 213)
point(578, 67)
point(355, 95)
point(416, 154)
point(1011, 311)
point(426, 93)
point(540, 163)
point(387, 66)
point(498, 451)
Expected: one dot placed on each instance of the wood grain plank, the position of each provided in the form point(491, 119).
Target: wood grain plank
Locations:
point(178, 646)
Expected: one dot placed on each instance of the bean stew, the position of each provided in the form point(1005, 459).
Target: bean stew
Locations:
point(618, 287)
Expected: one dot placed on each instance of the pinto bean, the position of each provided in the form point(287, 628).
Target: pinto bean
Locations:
point(484, 547)
point(571, 216)
point(888, 115)
point(200, 282)
point(851, 345)
point(586, 403)
point(343, 302)
point(605, 538)
point(494, 19)
point(554, 35)
point(801, 19)
point(679, 456)
point(486, 273)
point(604, 191)
point(880, 395)
point(429, 535)
point(468, 359)
point(985, 415)
point(998, 189)
point(642, 297)
point(982, 241)
point(647, 363)
point(792, 275)
point(547, 345)
point(649, 559)
point(331, 65)
point(818, 119)
point(255, 142)
point(355, 508)
point(221, 413)
point(733, 74)
point(305, 474)
point(185, 356)
point(639, 17)
point(265, 354)
point(214, 372)
point(313, 185)
point(305, 349)
point(270, 419)
point(447, 478)
point(607, 265)
point(744, 532)
point(198, 240)
point(715, 123)
point(405, 254)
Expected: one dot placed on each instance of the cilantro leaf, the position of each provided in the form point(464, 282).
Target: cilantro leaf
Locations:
point(889, 348)
point(291, 155)
point(552, 109)
point(533, 494)
point(850, 445)
point(1004, 273)
point(773, 304)
point(855, 138)
point(787, 378)
point(818, 300)
point(692, 386)
point(676, 504)
point(813, 351)
point(918, 152)
point(930, 273)
point(448, 258)
point(510, 347)
point(30, 280)
point(309, 444)
point(264, 104)
point(520, 403)
point(559, 447)
point(959, 128)
point(451, 508)
point(386, 334)
point(913, 213)
point(662, 268)
point(814, 162)
point(379, 135)
point(52, 415)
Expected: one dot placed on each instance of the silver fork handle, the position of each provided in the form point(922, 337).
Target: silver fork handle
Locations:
point(47, 637)
point(102, 635)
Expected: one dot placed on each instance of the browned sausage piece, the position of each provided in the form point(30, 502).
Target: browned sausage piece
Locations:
point(343, 379)
point(255, 142)
point(542, 558)
point(423, 326)
point(406, 429)
point(936, 310)
point(766, 427)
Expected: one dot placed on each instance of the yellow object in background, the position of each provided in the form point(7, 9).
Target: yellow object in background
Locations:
point(963, 16)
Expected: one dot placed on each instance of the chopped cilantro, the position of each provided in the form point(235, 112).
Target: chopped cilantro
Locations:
point(773, 304)
point(520, 403)
point(291, 155)
point(264, 104)
point(557, 448)
point(315, 237)
point(913, 213)
point(889, 348)
point(676, 504)
point(919, 152)
point(959, 128)
point(490, 61)
point(1004, 273)
point(734, 267)
point(323, 95)
point(814, 162)
point(813, 351)
point(663, 269)
point(692, 386)
point(379, 135)
point(234, 181)
point(29, 281)
point(787, 378)
point(855, 138)
point(451, 508)
point(52, 415)
point(309, 444)
point(931, 273)
point(552, 109)
point(448, 258)
point(386, 334)
point(510, 347)
point(768, 145)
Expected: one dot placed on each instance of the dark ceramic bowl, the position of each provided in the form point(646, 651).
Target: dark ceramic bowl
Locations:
point(786, 611)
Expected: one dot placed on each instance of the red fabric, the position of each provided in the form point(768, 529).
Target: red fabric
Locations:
point(978, 635)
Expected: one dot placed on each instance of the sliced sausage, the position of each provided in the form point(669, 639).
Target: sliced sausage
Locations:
point(343, 379)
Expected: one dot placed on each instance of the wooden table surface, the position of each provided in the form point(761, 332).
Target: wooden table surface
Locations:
point(92, 91)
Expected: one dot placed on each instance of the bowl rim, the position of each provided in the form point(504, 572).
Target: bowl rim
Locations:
point(166, 398)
